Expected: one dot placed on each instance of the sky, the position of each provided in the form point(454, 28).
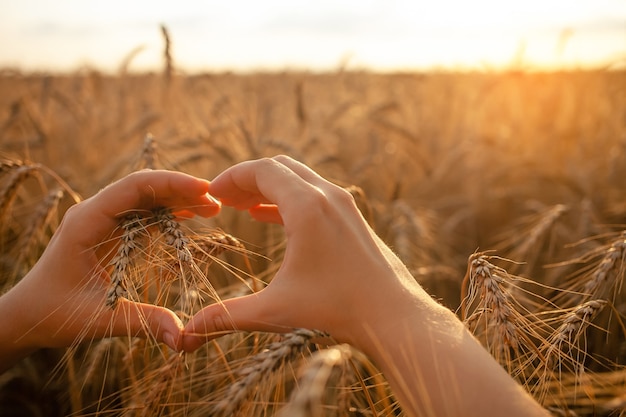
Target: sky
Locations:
point(245, 35)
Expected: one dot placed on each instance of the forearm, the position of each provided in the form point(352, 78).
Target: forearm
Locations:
point(437, 368)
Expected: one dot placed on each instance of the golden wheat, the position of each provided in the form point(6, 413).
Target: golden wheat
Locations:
point(442, 164)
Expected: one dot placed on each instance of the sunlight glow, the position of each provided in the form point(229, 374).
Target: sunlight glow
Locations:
point(273, 34)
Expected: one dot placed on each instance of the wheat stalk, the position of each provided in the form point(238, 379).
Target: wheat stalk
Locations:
point(168, 71)
point(7, 165)
point(526, 244)
point(213, 243)
point(193, 281)
point(17, 174)
point(591, 394)
point(161, 386)
point(98, 358)
point(487, 282)
point(173, 257)
point(610, 272)
point(573, 326)
point(562, 351)
point(39, 221)
point(485, 157)
point(546, 221)
point(132, 230)
point(510, 336)
point(306, 400)
point(148, 152)
point(262, 366)
point(173, 234)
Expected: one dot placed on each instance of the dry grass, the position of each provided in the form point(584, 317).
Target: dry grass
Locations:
point(514, 180)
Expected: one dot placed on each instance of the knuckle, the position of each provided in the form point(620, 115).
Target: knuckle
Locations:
point(74, 213)
point(218, 324)
point(315, 202)
point(343, 196)
point(325, 203)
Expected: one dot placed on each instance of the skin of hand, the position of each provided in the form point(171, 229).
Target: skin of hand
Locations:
point(62, 298)
point(338, 276)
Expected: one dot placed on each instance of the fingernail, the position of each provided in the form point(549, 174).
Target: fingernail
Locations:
point(169, 340)
point(218, 324)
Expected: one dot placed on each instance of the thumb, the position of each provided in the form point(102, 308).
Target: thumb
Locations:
point(242, 313)
point(147, 320)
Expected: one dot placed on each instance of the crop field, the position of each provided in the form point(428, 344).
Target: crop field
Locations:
point(503, 192)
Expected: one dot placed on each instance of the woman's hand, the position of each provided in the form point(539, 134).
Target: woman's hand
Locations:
point(338, 276)
point(62, 299)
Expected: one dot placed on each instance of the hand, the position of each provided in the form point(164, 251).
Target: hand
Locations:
point(62, 298)
point(336, 275)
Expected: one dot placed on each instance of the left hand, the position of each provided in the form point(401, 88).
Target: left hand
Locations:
point(62, 299)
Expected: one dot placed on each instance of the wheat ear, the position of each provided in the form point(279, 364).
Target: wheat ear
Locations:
point(574, 324)
point(306, 401)
point(41, 219)
point(173, 234)
point(562, 348)
point(160, 387)
point(610, 271)
point(546, 221)
point(261, 366)
point(132, 228)
point(510, 333)
point(17, 174)
point(148, 153)
point(486, 284)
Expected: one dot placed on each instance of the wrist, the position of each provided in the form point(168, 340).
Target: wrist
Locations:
point(414, 320)
point(383, 314)
point(425, 351)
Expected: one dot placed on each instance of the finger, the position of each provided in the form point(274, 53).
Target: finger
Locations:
point(269, 212)
point(140, 190)
point(302, 170)
point(149, 189)
point(266, 213)
point(183, 214)
point(245, 201)
point(147, 320)
point(249, 183)
point(243, 313)
point(254, 183)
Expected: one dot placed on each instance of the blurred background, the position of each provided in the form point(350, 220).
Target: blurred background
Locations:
point(458, 126)
point(240, 35)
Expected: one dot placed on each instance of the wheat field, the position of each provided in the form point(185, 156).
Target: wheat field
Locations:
point(503, 192)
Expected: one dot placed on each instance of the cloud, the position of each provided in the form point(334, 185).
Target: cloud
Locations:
point(46, 29)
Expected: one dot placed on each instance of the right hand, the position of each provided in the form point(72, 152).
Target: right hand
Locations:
point(336, 276)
